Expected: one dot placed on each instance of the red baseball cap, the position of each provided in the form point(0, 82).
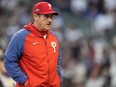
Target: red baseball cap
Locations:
point(43, 8)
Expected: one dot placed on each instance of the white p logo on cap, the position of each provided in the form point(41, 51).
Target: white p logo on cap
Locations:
point(49, 5)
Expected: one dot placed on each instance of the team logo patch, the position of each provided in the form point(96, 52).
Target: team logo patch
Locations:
point(53, 44)
point(37, 9)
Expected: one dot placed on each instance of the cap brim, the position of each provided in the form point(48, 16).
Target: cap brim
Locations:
point(50, 12)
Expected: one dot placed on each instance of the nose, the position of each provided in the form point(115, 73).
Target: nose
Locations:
point(49, 19)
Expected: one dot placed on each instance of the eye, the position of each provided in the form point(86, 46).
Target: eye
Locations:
point(49, 15)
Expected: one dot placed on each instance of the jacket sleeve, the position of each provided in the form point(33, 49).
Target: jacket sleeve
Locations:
point(59, 66)
point(59, 62)
point(11, 59)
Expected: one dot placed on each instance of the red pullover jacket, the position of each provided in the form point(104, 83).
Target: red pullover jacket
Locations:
point(34, 56)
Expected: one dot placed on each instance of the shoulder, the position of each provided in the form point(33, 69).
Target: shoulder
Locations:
point(21, 33)
point(55, 34)
point(52, 32)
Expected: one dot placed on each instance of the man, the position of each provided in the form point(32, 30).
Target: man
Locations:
point(32, 57)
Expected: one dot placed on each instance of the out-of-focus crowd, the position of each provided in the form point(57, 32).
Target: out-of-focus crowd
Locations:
point(87, 35)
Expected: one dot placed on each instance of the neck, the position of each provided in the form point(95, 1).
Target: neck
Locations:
point(37, 26)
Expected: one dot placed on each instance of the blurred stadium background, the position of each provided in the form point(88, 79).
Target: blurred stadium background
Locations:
point(87, 34)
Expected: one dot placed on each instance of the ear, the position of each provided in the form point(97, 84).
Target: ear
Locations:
point(35, 17)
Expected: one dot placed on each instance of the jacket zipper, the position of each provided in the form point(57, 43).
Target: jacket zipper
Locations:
point(47, 57)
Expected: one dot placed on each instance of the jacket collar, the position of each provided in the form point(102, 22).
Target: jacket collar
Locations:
point(35, 31)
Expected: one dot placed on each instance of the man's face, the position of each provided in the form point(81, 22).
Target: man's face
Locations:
point(43, 22)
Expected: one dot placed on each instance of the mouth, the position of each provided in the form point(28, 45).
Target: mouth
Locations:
point(49, 24)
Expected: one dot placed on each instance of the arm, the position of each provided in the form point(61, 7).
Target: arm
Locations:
point(59, 61)
point(59, 64)
point(11, 59)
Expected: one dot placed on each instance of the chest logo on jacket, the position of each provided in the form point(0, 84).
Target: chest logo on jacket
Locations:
point(53, 44)
point(34, 43)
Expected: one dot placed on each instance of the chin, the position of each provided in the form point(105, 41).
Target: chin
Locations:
point(46, 29)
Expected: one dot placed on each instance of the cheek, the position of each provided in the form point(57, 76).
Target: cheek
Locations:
point(43, 23)
point(40, 23)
